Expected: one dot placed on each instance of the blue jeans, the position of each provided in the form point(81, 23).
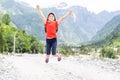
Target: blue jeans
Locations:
point(51, 44)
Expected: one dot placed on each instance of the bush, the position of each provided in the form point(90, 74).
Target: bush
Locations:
point(108, 53)
point(118, 51)
point(85, 49)
point(65, 50)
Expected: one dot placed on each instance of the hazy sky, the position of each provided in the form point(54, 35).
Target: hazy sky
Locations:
point(92, 5)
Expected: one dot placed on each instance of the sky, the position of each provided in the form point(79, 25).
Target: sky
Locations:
point(95, 6)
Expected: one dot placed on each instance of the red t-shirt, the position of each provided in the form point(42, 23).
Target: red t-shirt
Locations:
point(51, 28)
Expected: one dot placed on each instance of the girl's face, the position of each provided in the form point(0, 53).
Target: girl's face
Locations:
point(51, 17)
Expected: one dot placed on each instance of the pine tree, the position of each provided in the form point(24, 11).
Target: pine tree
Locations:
point(6, 19)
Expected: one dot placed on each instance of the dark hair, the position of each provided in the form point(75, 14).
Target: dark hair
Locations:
point(51, 14)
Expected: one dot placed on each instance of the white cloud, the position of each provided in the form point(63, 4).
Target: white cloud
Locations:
point(92, 5)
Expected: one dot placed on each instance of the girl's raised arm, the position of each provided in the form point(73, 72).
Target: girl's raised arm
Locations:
point(65, 16)
point(41, 14)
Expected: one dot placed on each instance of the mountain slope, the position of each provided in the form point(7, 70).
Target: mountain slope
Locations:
point(108, 28)
point(114, 38)
point(110, 34)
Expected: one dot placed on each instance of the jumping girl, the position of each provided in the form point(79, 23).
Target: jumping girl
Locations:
point(51, 26)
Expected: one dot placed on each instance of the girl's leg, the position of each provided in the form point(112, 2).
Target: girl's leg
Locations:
point(47, 58)
point(54, 46)
point(48, 48)
point(58, 56)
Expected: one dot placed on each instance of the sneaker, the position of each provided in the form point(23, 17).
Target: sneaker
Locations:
point(59, 58)
point(47, 60)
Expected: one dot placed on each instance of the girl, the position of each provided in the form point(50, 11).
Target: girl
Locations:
point(51, 26)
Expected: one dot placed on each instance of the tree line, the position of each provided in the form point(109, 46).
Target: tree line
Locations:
point(23, 42)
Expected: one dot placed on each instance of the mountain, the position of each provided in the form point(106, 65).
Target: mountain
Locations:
point(109, 33)
point(81, 26)
point(24, 16)
point(108, 28)
point(62, 5)
point(114, 38)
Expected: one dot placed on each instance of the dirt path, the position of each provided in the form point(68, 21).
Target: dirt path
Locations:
point(33, 67)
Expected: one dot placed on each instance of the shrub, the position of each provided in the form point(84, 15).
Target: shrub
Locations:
point(118, 51)
point(108, 53)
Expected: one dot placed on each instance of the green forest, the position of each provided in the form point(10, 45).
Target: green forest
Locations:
point(15, 40)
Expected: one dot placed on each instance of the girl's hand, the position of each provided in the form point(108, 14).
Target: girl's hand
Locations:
point(38, 7)
point(70, 11)
point(65, 16)
point(41, 13)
